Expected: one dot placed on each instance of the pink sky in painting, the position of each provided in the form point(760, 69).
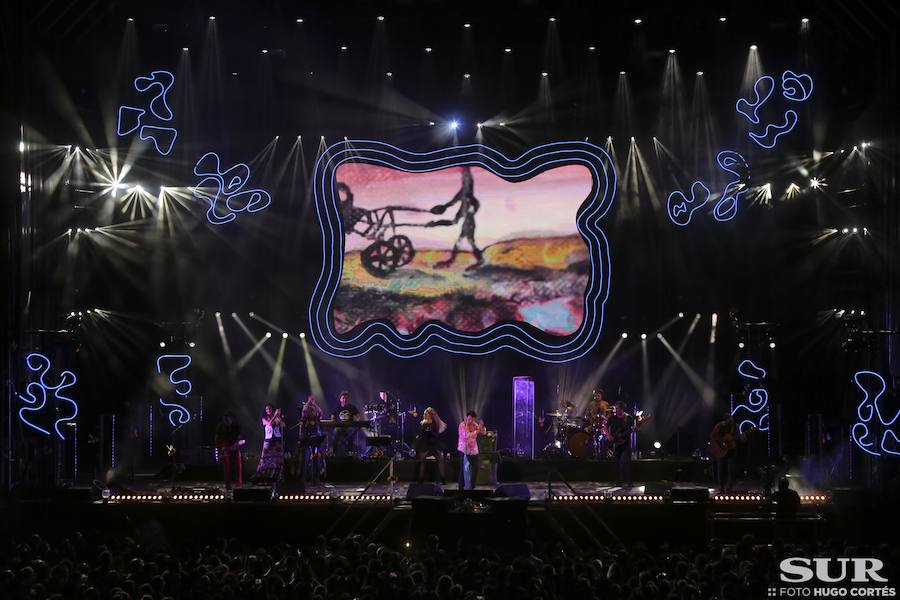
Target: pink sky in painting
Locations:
point(544, 205)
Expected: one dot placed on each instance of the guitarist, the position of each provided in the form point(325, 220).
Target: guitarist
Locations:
point(229, 442)
point(723, 440)
point(619, 427)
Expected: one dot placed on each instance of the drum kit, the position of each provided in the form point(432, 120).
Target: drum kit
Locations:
point(386, 422)
point(581, 437)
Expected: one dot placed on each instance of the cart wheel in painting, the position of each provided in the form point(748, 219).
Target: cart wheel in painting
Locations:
point(379, 258)
point(403, 246)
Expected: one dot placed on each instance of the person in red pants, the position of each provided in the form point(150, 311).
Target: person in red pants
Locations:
point(229, 442)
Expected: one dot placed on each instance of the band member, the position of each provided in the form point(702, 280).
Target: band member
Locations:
point(229, 442)
point(271, 461)
point(310, 441)
point(723, 446)
point(469, 430)
point(427, 442)
point(620, 426)
point(345, 437)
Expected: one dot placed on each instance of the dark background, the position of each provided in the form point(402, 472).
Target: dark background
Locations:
point(162, 278)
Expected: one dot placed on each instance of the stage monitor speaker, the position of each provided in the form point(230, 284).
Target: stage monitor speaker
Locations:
point(513, 490)
point(253, 494)
point(73, 495)
point(690, 494)
point(653, 488)
point(418, 490)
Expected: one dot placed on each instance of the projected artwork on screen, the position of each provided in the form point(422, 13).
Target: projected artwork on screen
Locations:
point(466, 241)
point(464, 247)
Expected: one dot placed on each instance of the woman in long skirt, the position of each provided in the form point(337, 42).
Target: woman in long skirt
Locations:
point(271, 460)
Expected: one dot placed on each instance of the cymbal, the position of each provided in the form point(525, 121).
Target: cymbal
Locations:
point(554, 414)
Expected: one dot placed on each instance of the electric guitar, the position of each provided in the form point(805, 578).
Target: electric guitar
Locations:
point(720, 446)
point(232, 447)
point(621, 437)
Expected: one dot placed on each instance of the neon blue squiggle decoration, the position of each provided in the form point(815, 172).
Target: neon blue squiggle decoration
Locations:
point(750, 370)
point(163, 138)
point(863, 431)
point(36, 392)
point(680, 209)
point(182, 388)
point(515, 336)
point(131, 118)
point(231, 196)
point(773, 131)
point(796, 87)
point(756, 408)
point(762, 90)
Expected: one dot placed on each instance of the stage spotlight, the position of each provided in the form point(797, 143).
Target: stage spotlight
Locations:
point(624, 335)
point(814, 183)
point(544, 73)
point(657, 444)
point(671, 50)
point(553, 19)
point(658, 335)
point(268, 334)
point(507, 50)
point(428, 49)
point(380, 17)
point(855, 230)
point(699, 73)
point(753, 46)
point(265, 50)
point(467, 25)
point(479, 127)
point(302, 335)
point(234, 73)
point(130, 19)
point(212, 18)
point(21, 146)
point(643, 336)
point(741, 345)
point(467, 75)
point(865, 145)
point(722, 19)
point(502, 123)
point(772, 345)
point(251, 314)
point(218, 314)
point(454, 125)
point(284, 335)
point(299, 20)
point(234, 314)
point(804, 20)
point(621, 72)
point(389, 74)
point(591, 48)
point(162, 344)
point(192, 344)
point(431, 123)
point(77, 148)
point(138, 189)
point(343, 48)
point(638, 21)
point(681, 315)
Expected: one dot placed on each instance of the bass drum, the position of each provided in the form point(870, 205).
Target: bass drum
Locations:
point(577, 442)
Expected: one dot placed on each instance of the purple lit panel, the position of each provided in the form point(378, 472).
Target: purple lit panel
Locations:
point(523, 416)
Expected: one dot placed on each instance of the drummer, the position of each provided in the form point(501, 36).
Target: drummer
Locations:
point(597, 408)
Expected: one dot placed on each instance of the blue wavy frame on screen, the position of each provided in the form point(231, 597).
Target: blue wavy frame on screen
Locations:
point(517, 336)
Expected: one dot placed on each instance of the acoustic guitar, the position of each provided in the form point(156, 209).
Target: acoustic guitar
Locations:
point(720, 446)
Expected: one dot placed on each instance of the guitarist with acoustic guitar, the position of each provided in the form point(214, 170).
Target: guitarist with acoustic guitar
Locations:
point(229, 442)
point(723, 442)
